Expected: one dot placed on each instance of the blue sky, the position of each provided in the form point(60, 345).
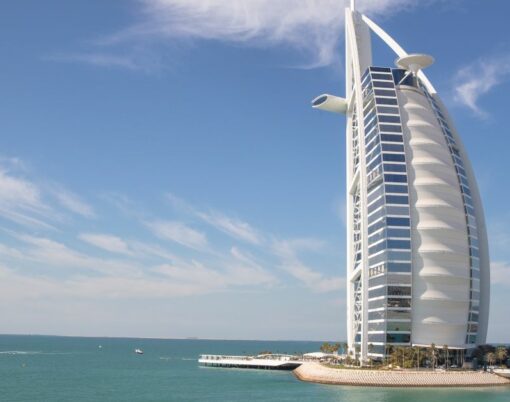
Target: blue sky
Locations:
point(162, 173)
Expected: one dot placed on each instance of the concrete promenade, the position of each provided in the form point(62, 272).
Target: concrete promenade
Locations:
point(316, 372)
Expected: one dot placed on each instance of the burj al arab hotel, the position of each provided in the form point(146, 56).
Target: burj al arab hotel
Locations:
point(417, 255)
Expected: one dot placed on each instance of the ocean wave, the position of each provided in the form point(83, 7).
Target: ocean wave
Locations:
point(31, 352)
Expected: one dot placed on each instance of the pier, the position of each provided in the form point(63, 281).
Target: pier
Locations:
point(261, 362)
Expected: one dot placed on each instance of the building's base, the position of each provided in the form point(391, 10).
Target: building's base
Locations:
point(315, 372)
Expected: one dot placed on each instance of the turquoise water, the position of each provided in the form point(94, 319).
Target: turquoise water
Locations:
point(45, 368)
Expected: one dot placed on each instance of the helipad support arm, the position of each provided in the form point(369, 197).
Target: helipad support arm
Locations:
point(330, 103)
point(392, 43)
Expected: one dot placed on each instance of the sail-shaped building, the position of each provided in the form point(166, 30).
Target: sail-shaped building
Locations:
point(417, 251)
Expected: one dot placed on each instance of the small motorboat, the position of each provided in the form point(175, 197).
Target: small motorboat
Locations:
point(139, 351)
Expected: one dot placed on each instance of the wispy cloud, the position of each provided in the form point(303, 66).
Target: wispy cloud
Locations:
point(234, 227)
point(52, 254)
point(288, 251)
point(478, 78)
point(21, 201)
point(178, 233)
point(134, 60)
point(311, 27)
point(106, 242)
point(74, 203)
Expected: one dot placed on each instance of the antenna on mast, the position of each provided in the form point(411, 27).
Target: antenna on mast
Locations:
point(353, 5)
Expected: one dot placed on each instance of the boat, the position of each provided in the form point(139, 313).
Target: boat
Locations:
point(262, 362)
point(139, 351)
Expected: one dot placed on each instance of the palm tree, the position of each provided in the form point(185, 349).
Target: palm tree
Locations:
point(501, 354)
point(490, 358)
point(433, 355)
point(370, 350)
point(445, 356)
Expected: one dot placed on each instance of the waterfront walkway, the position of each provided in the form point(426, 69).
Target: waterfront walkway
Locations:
point(316, 372)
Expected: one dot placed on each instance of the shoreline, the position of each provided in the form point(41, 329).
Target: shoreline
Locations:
point(318, 373)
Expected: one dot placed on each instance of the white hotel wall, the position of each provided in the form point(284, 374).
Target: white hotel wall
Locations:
point(440, 255)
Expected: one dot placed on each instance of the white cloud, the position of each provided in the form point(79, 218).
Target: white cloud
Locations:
point(234, 227)
point(179, 233)
point(287, 251)
point(21, 201)
point(73, 203)
point(106, 242)
point(50, 253)
point(312, 27)
point(135, 60)
point(478, 78)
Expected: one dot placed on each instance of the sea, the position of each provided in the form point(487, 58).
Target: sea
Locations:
point(66, 369)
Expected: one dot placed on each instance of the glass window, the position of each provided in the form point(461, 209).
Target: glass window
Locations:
point(394, 167)
point(395, 255)
point(399, 291)
point(394, 210)
point(373, 260)
point(394, 221)
point(397, 199)
point(376, 215)
point(376, 192)
point(473, 252)
point(393, 188)
point(392, 138)
point(383, 84)
point(376, 326)
point(399, 244)
point(377, 225)
point(398, 314)
point(398, 338)
point(376, 281)
point(395, 178)
point(376, 237)
point(375, 205)
point(393, 147)
point(374, 304)
point(399, 267)
point(388, 119)
point(394, 157)
point(377, 292)
point(377, 76)
point(396, 326)
point(376, 337)
point(378, 247)
point(380, 69)
point(386, 101)
point(385, 92)
point(392, 232)
point(390, 128)
point(387, 109)
point(400, 279)
point(393, 302)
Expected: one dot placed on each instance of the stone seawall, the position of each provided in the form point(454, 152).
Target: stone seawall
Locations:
point(315, 372)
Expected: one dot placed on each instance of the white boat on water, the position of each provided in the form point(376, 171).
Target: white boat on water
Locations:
point(139, 351)
point(264, 362)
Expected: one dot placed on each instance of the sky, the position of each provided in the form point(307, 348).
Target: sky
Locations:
point(162, 173)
